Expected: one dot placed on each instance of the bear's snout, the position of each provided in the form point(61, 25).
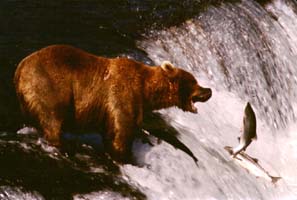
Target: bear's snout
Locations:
point(201, 94)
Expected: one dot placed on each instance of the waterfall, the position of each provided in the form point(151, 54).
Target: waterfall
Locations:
point(245, 52)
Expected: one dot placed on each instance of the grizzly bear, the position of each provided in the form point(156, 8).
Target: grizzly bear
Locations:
point(59, 86)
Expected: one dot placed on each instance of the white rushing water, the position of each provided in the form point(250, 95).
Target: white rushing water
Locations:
point(244, 53)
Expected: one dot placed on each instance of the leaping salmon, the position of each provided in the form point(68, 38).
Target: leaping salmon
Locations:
point(249, 130)
point(252, 165)
point(249, 134)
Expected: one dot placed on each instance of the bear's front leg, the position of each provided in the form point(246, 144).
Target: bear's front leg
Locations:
point(122, 132)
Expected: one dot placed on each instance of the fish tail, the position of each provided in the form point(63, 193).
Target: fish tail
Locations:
point(274, 179)
point(238, 149)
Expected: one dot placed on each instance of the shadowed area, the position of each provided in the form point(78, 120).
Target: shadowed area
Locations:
point(29, 163)
point(162, 130)
point(26, 164)
point(107, 28)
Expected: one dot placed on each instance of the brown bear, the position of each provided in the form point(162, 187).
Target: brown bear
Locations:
point(60, 85)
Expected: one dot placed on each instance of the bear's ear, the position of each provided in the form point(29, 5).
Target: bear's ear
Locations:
point(167, 67)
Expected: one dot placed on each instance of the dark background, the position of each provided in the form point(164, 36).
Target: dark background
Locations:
point(107, 28)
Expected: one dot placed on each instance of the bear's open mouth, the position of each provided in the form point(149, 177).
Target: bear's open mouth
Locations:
point(193, 107)
point(202, 97)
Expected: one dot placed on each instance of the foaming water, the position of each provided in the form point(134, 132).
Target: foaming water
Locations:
point(171, 174)
point(8, 192)
point(101, 196)
point(237, 52)
point(245, 53)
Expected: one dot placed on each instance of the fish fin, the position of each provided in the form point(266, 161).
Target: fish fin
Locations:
point(229, 149)
point(274, 179)
point(237, 151)
point(234, 157)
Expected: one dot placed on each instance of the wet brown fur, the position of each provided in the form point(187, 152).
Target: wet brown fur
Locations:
point(61, 86)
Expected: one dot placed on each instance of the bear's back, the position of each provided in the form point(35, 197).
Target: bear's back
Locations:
point(68, 57)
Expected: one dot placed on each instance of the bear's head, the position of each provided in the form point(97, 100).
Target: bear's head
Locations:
point(186, 88)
